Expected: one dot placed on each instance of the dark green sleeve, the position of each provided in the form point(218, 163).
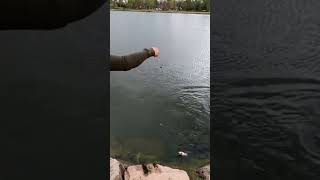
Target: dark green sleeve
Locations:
point(130, 61)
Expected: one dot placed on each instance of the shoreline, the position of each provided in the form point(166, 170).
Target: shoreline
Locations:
point(155, 11)
point(119, 167)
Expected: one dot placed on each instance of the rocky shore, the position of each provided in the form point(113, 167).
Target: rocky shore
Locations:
point(122, 171)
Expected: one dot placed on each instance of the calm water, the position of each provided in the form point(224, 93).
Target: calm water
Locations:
point(267, 90)
point(162, 106)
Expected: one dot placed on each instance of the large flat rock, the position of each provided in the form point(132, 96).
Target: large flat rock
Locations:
point(154, 172)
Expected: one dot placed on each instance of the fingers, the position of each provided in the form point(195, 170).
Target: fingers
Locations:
point(156, 51)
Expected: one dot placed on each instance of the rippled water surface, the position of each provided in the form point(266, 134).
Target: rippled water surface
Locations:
point(267, 89)
point(162, 106)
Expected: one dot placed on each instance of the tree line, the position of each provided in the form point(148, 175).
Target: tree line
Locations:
point(181, 5)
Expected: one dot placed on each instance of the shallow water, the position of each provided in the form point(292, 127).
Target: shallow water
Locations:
point(162, 106)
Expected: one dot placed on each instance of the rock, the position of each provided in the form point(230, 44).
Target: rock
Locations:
point(204, 172)
point(115, 171)
point(154, 172)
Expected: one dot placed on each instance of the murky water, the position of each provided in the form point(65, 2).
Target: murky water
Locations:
point(267, 89)
point(162, 106)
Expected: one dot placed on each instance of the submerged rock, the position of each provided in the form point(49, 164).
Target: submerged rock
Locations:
point(154, 172)
point(204, 172)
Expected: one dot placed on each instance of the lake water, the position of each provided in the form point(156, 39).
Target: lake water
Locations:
point(161, 107)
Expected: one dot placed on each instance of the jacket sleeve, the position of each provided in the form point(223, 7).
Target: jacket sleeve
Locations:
point(130, 61)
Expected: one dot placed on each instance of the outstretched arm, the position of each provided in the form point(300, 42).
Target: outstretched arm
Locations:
point(128, 62)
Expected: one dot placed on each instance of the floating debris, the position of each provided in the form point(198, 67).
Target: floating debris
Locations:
point(182, 154)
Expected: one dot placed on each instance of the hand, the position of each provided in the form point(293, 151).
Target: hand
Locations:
point(155, 51)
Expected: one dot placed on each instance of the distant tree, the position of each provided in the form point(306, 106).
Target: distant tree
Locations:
point(140, 4)
point(111, 4)
point(162, 5)
point(184, 5)
point(206, 5)
point(188, 5)
point(179, 5)
point(130, 4)
point(171, 4)
point(196, 5)
point(168, 2)
point(165, 5)
point(156, 3)
point(122, 4)
point(150, 4)
point(174, 2)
